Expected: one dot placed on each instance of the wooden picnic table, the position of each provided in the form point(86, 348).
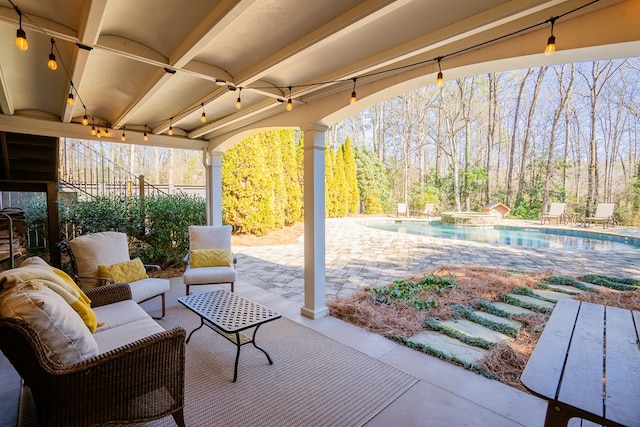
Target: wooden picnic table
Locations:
point(587, 365)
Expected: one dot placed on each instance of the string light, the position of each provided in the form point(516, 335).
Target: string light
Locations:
point(123, 138)
point(551, 42)
point(21, 36)
point(93, 129)
point(99, 132)
point(145, 136)
point(22, 44)
point(289, 102)
point(170, 131)
point(353, 93)
point(52, 64)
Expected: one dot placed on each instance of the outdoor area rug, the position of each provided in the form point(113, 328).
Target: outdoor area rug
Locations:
point(314, 380)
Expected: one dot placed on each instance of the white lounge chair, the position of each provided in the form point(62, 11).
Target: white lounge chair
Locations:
point(604, 214)
point(402, 209)
point(428, 210)
point(556, 211)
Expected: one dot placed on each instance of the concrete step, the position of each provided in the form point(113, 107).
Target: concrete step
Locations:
point(532, 301)
point(565, 288)
point(475, 330)
point(598, 287)
point(552, 295)
point(497, 319)
point(448, 346)
point(512, 309)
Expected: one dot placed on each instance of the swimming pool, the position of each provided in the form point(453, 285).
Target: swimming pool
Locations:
point(512, 236)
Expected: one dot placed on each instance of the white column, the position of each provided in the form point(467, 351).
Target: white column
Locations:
point(314, 233)
point(214, 184)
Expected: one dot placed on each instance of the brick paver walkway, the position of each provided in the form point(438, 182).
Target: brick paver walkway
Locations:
point(359, 256)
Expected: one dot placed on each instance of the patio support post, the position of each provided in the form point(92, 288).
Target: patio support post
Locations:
point(214, 187)
point(314, 228)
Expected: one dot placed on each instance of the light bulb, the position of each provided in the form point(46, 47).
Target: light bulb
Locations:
point(170, 131)
point(203, 117)
point(551, 46)
point(289, 105)
point(145, 136)
point(440, 79)
point(70, 99)
point(353, 98)
point(85, 120)
point(52, 64)
point(238, 103)
point(123, 138)
point(21, 39)
point(99, 133)
point(93, 130)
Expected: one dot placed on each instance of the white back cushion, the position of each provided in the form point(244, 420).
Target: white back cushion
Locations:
point(91, 250)
point(210, 237)
point(65, 337)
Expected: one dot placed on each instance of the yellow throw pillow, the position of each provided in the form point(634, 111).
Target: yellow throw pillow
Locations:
point(128, 272)
point(210, 258)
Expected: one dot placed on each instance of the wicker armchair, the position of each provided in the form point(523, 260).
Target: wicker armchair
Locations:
point(141, 381)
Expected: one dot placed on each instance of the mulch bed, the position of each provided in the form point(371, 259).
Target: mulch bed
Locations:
point(506, 360)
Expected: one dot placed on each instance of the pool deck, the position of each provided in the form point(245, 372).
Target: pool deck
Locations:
point(359, 256)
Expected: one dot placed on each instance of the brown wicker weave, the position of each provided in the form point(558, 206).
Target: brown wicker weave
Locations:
point(140, 381)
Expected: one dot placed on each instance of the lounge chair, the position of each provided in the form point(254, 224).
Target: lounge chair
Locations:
point(556, 211)
point(402, 209)
point(604, 214)
point(428, 210)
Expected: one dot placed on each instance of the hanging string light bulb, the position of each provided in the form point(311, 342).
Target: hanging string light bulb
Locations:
point(551, 41)
point(239, 101)
point(440, 77)
point(289, 101)
point(170, 131)
point(203, 117)
point(85, 118)
point(99, 132)
point(52, 64)
point(21, 36)
point(123, 138)
point(93, 129)
point(145, 136)
point(353, 93)
point(70, 100)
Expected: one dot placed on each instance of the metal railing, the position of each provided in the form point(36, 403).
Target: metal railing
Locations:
point(90, 174)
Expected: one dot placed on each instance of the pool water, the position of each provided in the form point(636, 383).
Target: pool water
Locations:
point(512, 236)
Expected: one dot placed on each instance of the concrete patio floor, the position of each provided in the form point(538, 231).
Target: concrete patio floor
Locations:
point(358, 256)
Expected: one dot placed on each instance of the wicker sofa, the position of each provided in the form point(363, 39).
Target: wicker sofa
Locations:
point(134, 374)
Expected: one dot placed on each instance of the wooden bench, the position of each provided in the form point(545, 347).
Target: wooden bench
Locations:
point(587, 365)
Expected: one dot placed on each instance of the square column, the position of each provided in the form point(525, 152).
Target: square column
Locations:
point(214, 188)
point(314, 227)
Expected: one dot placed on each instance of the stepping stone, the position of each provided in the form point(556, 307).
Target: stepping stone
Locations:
point(512, 309)
point(552, 295)
point(475, 330)
point(598, 287)
point(497, 319)
point(566, 288)
point(449, 346)
point(533, 301)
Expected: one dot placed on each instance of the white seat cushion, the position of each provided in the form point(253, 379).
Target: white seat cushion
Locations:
point(126, 334)
point(144, 289)
point(117, 314)
point(205, 275)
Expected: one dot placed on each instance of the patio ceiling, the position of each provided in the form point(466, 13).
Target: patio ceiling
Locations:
point(146, 65)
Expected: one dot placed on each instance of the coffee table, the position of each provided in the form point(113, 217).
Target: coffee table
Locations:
point(228, 314)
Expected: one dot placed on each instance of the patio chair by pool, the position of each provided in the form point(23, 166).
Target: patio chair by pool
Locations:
point(402, 209)
point(604, 214)
point(556, 211)
point(428, 210)
point(209, 261)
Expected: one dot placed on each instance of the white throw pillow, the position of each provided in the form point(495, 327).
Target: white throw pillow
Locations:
point(65, 337)
point(91, 250)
